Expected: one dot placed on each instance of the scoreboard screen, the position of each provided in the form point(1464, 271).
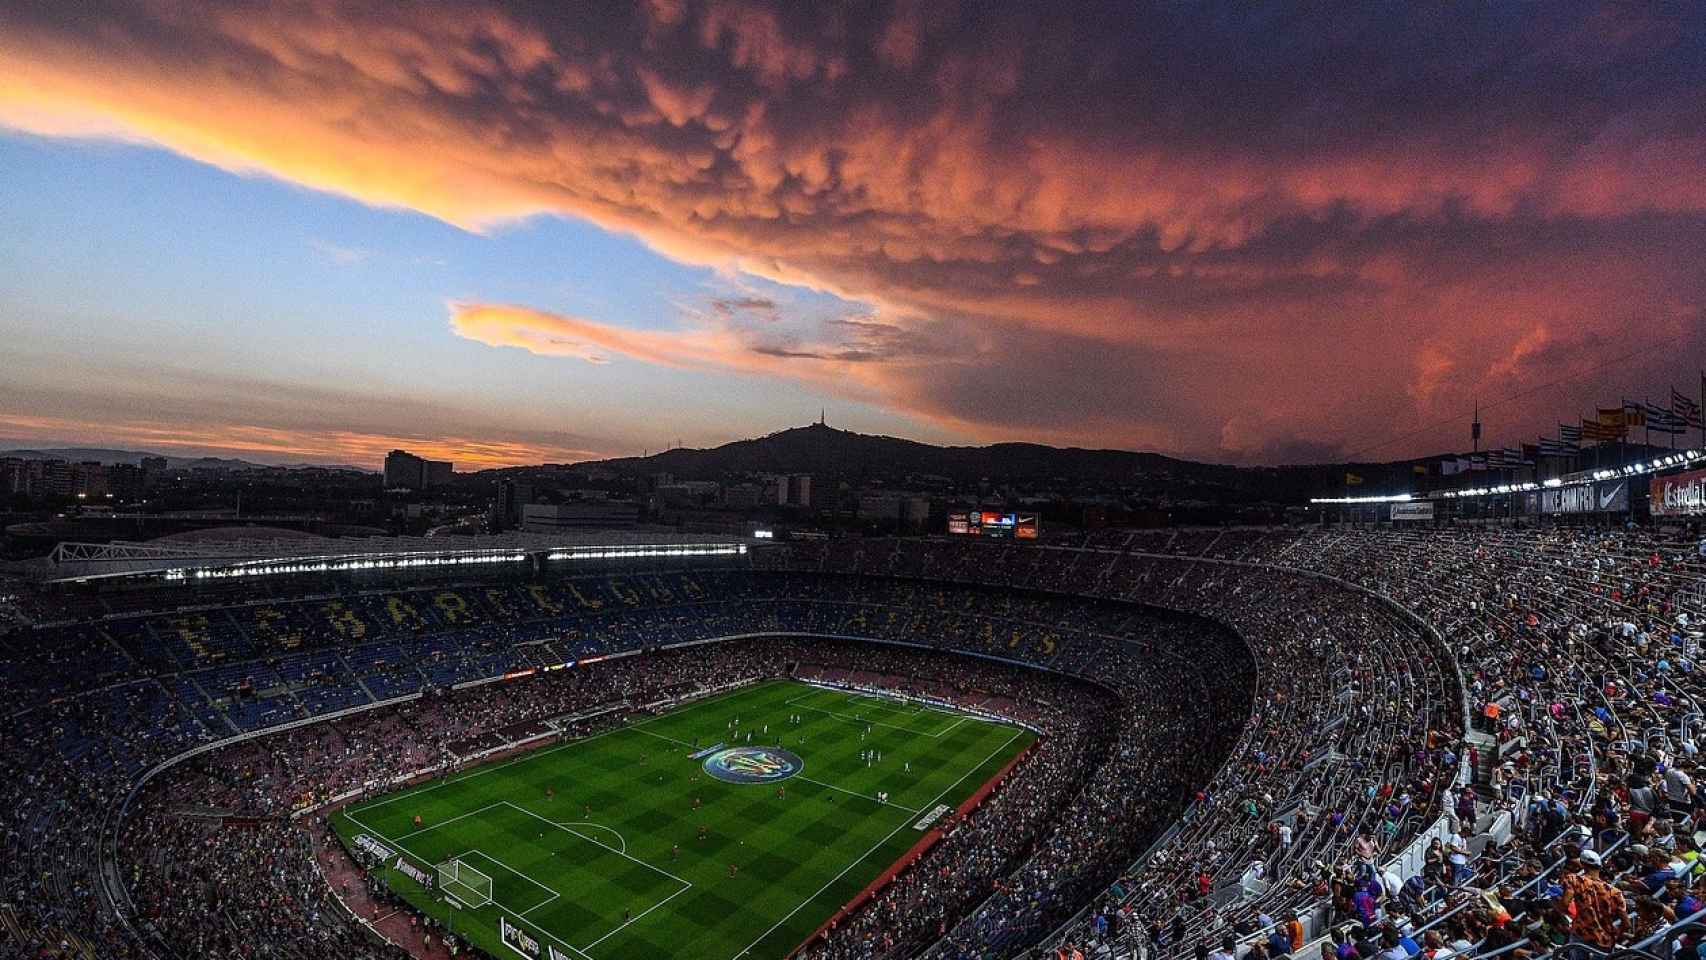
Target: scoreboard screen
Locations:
point(986, 523)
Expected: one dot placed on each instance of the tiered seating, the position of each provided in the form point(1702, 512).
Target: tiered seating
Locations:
point(1584, 644)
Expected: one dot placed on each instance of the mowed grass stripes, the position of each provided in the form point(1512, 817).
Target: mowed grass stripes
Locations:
point(595, 846)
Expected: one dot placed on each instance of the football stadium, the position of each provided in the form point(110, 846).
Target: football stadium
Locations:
point(872, 480)
point(686, 783)
point(1122, 743)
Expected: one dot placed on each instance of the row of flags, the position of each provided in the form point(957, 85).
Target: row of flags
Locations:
point(1682, 414)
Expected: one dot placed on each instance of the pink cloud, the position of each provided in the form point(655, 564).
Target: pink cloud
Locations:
point(1343, 225)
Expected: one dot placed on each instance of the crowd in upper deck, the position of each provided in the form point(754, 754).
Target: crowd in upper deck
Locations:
point(1577, 649)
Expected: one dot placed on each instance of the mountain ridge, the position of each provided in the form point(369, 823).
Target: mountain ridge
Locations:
point(113, 455)
point(827, 451)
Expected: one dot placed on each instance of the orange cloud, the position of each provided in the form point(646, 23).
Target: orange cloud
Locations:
point(295, 444)
point(1252, 219)
point(714, 342)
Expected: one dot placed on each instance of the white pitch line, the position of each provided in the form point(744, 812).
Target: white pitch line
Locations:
point(597, 826)
point(875, 723)
point(535, 754)
point(542, 903)
point(621, 853)
point(899, 706)
point(637, 728)
point(543, 932)
point(376, 834)
point(554, 894)
point(463, 816)
point(636, 919)
point(952, 726)
point(855, 793)
point(411, 792)
point(861, 859)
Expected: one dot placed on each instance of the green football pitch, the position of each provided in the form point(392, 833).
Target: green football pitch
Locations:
point(594, 850)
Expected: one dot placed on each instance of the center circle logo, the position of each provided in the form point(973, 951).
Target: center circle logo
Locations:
point(753, 764)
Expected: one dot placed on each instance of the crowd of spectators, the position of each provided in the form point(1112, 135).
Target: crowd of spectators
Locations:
point(1236, 794)
point(81, 752)
point(1351, 747)
point(1579, 649)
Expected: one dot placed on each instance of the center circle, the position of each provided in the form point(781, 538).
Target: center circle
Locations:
point(753, 764)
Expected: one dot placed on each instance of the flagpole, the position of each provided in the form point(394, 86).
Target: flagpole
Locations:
point(1673, 430)
point(1623, 437)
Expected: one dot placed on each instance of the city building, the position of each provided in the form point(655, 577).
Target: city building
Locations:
point(50, 478)
point(506, 506)
point(744, 496)
point(14, 475)
point(906, 510)
point(794, 490)
point(582, 515)
point(404, 469)
point(688, 493)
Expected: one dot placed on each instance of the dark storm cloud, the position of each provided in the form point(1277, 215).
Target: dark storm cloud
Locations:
point(1119, 222)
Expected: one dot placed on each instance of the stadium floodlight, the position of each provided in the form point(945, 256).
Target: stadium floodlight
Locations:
point(464, 884)
point(1388, 498)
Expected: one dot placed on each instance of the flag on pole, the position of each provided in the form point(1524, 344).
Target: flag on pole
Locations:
point(1685, 407)
point(1660, 420)
point(1599, 430)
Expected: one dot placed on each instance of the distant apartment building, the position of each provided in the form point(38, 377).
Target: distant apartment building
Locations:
point(583, 515)
point(51, 478)
point(506, 506)
point(126, 481)
point(687, 493)
point(744, 496)
point(89, 480)
point(907, 510)
point(794, 490)
point(437, 473)
point(404, 469)
point(14, 475)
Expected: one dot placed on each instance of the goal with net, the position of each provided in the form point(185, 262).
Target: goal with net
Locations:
point(464, 884)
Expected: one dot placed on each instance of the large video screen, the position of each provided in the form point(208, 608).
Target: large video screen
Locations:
point(987, 523)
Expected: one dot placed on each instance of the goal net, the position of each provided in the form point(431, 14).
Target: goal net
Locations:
point(464, 884)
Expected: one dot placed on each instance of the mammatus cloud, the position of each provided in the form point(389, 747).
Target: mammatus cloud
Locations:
point(922, 367)
point(1225, 236)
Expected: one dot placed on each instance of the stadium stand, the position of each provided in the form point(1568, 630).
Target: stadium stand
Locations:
point(1334, 742)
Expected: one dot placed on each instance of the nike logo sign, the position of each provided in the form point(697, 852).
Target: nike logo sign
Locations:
point(1608, 496)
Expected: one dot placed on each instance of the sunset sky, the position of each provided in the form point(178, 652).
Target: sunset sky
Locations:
point(524, 232)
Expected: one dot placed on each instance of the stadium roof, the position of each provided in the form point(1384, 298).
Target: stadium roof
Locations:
point(210, 557)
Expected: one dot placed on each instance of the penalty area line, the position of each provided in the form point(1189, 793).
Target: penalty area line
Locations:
point(637, 918)
point(874, 848)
